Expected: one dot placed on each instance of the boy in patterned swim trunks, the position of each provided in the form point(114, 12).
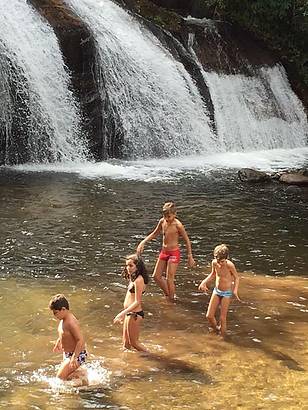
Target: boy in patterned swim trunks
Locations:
point(169, 257)
point(70, 340)
point(226, 284)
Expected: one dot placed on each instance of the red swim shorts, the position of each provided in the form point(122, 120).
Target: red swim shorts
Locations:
point(170, 256)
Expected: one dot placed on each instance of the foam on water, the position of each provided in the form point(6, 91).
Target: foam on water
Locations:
point(173, 168)
point(97, 374)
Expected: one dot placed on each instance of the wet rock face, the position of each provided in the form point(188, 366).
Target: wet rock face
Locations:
point(184, 5)
point(226, 49)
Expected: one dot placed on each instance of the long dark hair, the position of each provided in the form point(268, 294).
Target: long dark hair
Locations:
point(141, 269)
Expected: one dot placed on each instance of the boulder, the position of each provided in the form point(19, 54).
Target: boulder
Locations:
point(294, 179)
point(253, 175)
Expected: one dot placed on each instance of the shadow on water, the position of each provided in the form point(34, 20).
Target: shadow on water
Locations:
point(166, 365)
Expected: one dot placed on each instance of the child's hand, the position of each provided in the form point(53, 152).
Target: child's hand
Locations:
point(191, 261)
point(73, 363)
point(119, 318)
point(203, 287)
point(57, 347)
point(237, 296)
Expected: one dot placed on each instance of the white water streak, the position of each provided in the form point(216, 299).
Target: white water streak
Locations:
point(158, 104)
point(33, 48)
point(255, 113)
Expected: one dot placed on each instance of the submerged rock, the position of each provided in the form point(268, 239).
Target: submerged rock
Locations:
point(253, 175)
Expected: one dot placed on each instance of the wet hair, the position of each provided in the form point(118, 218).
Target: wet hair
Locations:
point(141, 269)
point(221, 252)
point(169, 208)
point(58, 302)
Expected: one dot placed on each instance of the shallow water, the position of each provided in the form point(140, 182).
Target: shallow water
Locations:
point(263, 364)
point(63, 232)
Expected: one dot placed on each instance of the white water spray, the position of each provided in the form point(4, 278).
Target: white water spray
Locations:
point(254, 112)
point(32, 48)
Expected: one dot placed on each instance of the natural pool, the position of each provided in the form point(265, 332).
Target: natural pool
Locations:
point(63, 232)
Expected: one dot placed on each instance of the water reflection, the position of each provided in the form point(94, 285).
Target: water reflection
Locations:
point(55, 224)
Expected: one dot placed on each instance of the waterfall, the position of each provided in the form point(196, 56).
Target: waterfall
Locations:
point(259, 112)
point(160, 109)
point(256, 111)
point(32, 64)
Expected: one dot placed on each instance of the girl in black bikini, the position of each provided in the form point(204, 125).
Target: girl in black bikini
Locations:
point(132, 314)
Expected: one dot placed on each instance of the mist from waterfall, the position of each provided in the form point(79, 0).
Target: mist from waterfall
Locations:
point(159, 107)
point(31, 58)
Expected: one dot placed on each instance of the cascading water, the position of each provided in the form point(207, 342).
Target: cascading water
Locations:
point(256, 111)
point(158, 104)
point(34, 63)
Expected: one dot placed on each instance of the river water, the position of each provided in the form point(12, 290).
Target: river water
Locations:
point(68, 230)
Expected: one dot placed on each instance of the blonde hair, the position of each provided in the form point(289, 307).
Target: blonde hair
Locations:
point(221, 252)
point(169, 208)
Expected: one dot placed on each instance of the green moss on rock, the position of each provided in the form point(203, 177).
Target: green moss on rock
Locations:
point(164, 18)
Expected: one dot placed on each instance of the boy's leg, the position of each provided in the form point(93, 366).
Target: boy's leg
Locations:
point(170, 274)
point(211, 310)
point(224, 306)
point(157, 275)
point(65, 370)
point(133, 332)
point(126, 343)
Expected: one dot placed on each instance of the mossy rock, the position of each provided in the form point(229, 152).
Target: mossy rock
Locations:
point(164, 18)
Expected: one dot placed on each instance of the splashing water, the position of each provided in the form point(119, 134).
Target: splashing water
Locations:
point(97, 375)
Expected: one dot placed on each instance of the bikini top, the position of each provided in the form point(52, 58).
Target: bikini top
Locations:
point(132, 289)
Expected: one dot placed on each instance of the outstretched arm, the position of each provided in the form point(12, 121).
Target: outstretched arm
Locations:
point(151, 236)
point(204, 284)
point(236, 279)
point(183, 233)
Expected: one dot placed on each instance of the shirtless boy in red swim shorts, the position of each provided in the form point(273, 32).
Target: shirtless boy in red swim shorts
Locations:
point(169, 257)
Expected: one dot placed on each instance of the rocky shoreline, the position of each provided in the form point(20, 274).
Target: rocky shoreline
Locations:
point(294, 177)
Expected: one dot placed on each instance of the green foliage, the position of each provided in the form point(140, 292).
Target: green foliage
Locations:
point(282, 23)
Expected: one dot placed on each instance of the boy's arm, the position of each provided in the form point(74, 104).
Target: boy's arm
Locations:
point(204, 284)
point(77, 335)
point(151, 236)
point(184, 235)
point(236, 279)
point(138, 284)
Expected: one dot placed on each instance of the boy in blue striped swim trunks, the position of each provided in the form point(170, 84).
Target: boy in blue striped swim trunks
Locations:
point(226, 284)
